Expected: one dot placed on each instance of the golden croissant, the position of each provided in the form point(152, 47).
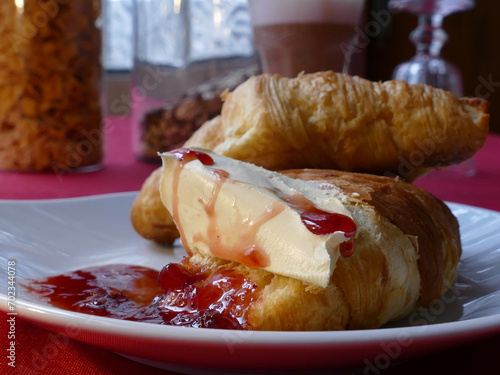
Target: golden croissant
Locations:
point(336, 121)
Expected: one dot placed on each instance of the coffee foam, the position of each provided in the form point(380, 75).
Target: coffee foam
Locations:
point(273, 12)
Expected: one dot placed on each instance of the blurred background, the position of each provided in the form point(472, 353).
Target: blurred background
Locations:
point(473, 46)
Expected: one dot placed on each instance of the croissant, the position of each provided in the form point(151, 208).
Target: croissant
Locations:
point(405, 256)
point(336, 121)
point(149, 216)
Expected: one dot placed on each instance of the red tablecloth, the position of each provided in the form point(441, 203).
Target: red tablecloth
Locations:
point(122, 172)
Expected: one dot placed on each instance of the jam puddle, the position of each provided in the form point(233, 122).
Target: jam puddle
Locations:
point(179, 295)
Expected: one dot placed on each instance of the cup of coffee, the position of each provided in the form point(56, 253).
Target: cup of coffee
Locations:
point(293, 36)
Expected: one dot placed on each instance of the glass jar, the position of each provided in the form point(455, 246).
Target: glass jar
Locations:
point(186, 53)
point(50, 85)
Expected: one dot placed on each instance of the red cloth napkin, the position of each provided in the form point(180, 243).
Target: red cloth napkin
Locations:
point(38, 351)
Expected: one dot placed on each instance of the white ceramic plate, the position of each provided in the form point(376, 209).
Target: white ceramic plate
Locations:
point(55, 236)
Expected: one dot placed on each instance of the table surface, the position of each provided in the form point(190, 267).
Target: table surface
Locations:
point(121, 172)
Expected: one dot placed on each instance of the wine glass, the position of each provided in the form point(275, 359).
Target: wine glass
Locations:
point(427, 66)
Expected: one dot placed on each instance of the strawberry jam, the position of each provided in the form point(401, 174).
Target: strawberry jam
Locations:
point(199, 299)
point(185, 155)
point(179, 295)
point(322, 222)
point(118, 291)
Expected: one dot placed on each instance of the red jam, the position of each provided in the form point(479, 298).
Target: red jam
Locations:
point(118, 291)
point(217, 300)
point(175, 296)
point(186, 155)
point(322, 222)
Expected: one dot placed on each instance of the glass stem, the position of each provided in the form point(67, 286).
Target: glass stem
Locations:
point(429, 36)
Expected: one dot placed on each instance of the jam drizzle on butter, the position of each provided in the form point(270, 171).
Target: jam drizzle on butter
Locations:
point(317, 221)
point(323, 222)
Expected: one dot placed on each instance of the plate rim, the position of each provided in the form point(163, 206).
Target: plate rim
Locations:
point(485, 322)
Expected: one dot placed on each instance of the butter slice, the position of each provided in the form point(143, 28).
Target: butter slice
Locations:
point(234, 210)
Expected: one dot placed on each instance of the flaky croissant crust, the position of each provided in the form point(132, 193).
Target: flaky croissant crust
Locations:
point(336, 121)
point(420, 216)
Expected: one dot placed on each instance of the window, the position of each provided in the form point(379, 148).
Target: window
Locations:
point(118, 35)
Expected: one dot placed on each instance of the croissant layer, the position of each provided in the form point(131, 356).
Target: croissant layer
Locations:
point(336, 121)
